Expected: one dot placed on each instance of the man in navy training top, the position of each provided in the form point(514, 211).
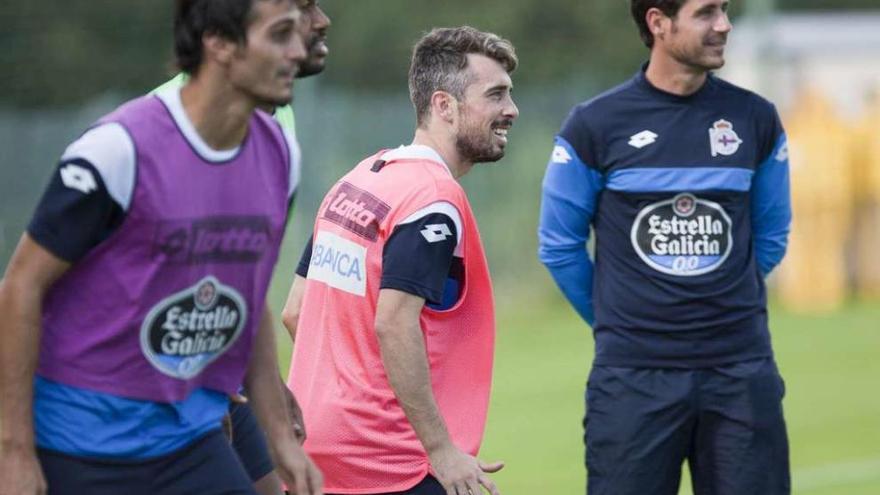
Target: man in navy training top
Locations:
point(135, 303)
point(683, 178)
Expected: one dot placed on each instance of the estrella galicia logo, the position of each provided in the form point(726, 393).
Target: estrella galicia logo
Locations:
point(188, 330)
point(683, 236)
point(222, 239)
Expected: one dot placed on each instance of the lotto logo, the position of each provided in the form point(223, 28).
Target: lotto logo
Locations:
point(356, 210)
point(642, 139)
point(560, 155)
point(436, 232)
point(79, 178)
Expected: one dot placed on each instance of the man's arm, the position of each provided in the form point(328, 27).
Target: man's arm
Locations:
point(290, 318)
point(568, 202)
point(402, 345)
point(30, 273)
point(267, 393)
point(771, 208)
point(290, 313)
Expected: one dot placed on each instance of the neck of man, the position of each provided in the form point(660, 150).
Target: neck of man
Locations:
point(219, 113)
point(444, 144)
point(668, 74)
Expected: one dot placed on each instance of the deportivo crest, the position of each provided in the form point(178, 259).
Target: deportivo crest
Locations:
point(188, 330)
point(722, 138)
point(683, 236)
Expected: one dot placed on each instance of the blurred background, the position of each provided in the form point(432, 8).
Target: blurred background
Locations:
point(63, 64)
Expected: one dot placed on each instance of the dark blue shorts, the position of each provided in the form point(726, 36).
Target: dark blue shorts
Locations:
point(208, 466)
point(643, 423)
point(249, 441)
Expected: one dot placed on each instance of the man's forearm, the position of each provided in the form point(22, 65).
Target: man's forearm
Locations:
point(19, 348)
point(406, 365)
point(263, 381)
point(291, 311)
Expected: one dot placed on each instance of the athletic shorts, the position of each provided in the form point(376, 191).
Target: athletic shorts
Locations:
point(641, 425)
point(249, 441)
point(428, 486)
point(208, 466)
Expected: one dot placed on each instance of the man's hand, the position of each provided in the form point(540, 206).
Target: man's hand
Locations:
point(296, 415)
point(20, 471)
point(462, 474)
point(295, 468)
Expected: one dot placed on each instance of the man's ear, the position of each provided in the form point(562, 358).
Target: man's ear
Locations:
point(658, 23)
point(444, 106)
point(218, 48)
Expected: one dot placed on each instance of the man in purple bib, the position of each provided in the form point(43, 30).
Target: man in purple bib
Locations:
point(135, 303)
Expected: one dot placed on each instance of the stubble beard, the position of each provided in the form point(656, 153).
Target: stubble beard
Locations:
point(695, 56)
point(313, 64)
point(475, 146)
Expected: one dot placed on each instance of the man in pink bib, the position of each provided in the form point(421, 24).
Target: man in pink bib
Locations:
point(391, 307)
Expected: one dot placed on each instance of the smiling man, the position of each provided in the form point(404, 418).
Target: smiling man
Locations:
point(391, 308)
point(135, 303)
point(683, 178)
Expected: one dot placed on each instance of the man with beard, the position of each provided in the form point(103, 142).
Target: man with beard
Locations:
point(684, 179)
point(391, 308)
point(247, 438)
point(135, 303)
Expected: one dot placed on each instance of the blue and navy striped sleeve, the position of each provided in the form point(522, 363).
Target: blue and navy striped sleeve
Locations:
point(771, 203)
point(568, 203)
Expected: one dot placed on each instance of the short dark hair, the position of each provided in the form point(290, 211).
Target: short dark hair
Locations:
point(194, 19)
point(640, 8)
point(440, 58)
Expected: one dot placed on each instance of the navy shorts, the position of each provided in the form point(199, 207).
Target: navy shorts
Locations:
point(428, 486)
point(249, 441)
point(207, 466)
point(643, 423)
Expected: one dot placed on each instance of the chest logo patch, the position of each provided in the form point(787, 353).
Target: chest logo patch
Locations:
point(642, 139)
point(722, 138)
point(683, 236)
point(339, 263)
point(356, 210)
point(188, 330)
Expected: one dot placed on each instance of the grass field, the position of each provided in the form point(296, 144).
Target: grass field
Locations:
point(831, 365)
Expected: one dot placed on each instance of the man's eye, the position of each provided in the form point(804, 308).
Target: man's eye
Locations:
point(281, 36)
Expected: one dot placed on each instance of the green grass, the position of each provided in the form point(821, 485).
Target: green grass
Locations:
point(830, 364)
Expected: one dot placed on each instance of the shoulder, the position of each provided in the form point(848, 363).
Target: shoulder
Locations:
point(108, 147)
point(175, 82)
point(757, 104)
point(422, 169)
point(588, 122)
point(284, 116)
point(594, 110)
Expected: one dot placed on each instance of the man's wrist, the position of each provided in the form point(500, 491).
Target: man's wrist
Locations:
point(12, 442)
point(438, 446)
